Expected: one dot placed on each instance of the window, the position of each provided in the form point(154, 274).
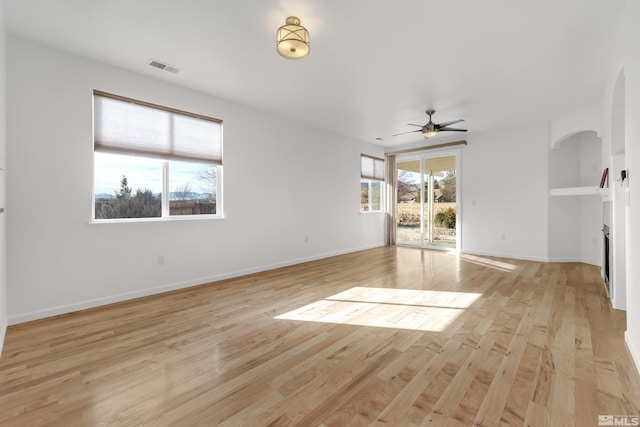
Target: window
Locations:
point(371, 183)
point(154, 162)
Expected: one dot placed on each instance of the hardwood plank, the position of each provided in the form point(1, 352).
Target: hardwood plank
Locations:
point(388, 336)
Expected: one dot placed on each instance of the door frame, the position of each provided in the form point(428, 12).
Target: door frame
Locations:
point(421, 156)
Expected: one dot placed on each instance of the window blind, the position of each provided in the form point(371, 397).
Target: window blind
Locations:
point(371, 168)
point(126, 126)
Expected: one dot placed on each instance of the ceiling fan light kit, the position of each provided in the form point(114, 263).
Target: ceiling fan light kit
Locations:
point(432, 129)
point(429, 129)
point(293, 39)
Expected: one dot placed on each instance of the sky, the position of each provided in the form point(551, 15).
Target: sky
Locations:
point(144, 173)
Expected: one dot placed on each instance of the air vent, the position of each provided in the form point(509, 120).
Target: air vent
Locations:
point(163, 66)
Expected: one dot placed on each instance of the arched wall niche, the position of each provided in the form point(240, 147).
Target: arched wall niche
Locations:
point(587, 119)
point(574, 136)
point(575, 160)
point(575, 211)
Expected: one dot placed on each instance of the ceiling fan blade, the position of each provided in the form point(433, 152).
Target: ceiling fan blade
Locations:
point(411, 131)
point(452, 129)
point(441, 125)
point(413, 124)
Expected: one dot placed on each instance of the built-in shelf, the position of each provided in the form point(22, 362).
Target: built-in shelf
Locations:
point(580, 191)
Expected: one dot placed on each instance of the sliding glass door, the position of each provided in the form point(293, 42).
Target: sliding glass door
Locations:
point(427, 201)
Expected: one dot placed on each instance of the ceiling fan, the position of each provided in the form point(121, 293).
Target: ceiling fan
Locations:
point(432, 129)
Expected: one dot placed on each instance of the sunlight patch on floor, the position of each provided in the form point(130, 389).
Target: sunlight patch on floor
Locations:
point(498, 265)
point(412, 309)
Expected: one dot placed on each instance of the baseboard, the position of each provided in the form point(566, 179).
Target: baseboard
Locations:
point(618, 305)
point(83, 305)
point(591, 262)
point(510, 256)
point(530, 258)
point(634, 354)
point(3, 333)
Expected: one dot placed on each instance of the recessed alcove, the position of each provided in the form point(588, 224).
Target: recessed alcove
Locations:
point(575, 208)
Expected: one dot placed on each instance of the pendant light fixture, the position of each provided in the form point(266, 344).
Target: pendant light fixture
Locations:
point(292, 39)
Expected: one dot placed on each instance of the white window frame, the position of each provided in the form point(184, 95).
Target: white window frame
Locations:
point(370, 175)
point(165, 199)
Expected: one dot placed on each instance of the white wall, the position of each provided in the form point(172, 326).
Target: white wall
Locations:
point(564, 229)
point(590, 220)
point(630, 60)
point(282, 181)
point(614, 151)
point(590, 217)
point(588, 118)
point(504, 193)
point(3, 166)
point(618, 232)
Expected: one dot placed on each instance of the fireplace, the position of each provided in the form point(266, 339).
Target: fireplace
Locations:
point(606, 243)
point(607, 248)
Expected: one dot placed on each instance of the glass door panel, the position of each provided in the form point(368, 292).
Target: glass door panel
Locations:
point(439, 214)
point(408, 220)
point(426, 202)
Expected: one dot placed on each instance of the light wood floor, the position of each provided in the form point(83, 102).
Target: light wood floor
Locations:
point(388, 336)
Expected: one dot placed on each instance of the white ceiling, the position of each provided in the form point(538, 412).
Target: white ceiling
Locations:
point(374, 65)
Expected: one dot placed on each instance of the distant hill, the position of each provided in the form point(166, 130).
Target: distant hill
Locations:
point(105, 196)
point(189, 196)
point(172, 196)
